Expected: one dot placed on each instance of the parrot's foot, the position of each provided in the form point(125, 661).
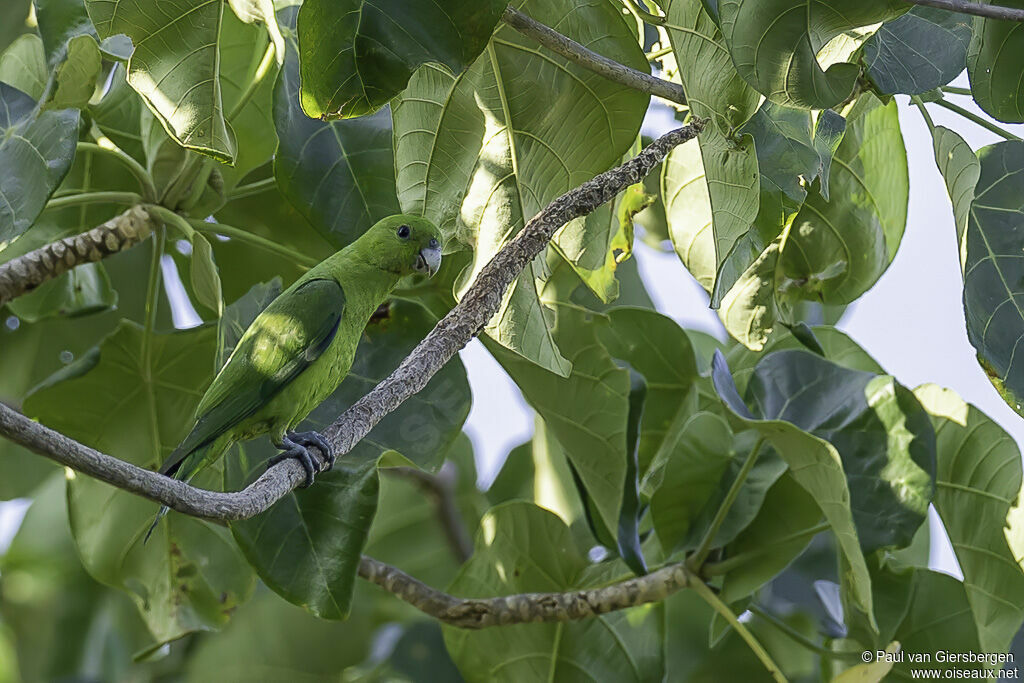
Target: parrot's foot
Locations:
point(296, 445)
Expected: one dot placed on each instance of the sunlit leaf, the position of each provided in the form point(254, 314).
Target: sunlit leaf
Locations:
point(479, 153)
point(23, 66)
point(978, 497)
point(175, 65)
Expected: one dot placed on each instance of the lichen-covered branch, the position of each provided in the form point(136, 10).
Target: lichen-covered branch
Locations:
point(24, 273)
point(479, 304)
point(976, 8)
point(525, 608)
point(592, 61)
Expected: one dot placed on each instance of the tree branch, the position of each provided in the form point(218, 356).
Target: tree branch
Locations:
point(26, 272)
point(479, 304)
point(440, 488)
point(975, 8)
point(524, 608)
point(592, 61)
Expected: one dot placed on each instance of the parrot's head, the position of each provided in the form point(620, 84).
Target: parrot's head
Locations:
point(405, 245)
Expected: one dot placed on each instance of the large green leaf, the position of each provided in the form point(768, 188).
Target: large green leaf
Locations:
point(697, 473)
point(523, 548)
point(727, 162)
point(136, 403)
point(76, 75)
point(270, 640)
point(482, 152)
point(358, 54)
point(880, 431)
point(23, 66)
point(834, 249)
point(815, 464)
point(776, 45)
point(36, 151)
point(939, 619)
point(978, 497)
point(175, 65)
point(994, 65)
point(307, 546)
point(785, 524)
point(340, 175)
point(655, 346)
point(585, 411)
point(993, 268)
point(919, 51)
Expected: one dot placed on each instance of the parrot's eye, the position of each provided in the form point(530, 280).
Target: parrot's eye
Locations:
point(403, 232)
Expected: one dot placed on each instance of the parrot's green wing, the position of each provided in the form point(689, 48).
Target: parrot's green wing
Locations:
point(285, 339)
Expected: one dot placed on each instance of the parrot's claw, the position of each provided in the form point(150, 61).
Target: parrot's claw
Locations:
point(315, 439)
point(295, 445)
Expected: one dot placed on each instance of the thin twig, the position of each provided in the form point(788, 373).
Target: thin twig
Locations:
point(83, 198)
point(479, 304)
point(441, 489)
point(971, 116)
point(975, 8)
point(134, 167)
point(475, 613)
point(243, 191)
point(723, 610)
point(255, 240)
point(590, 60)
point(24, 273)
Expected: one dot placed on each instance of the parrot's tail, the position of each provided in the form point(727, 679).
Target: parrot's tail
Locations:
point(182, 465)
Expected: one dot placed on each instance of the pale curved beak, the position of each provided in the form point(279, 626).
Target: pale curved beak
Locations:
point(429, 259)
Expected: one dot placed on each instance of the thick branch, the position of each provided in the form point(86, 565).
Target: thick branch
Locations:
point(26, 272)
point(975, 8)
point(525, 608)
point(590, 60)
point(479, 304)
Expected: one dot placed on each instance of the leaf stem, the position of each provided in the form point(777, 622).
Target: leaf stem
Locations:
point(800, 638)
point(971, 116)
point(295, 257)
point(136, 169)
point(261, 72)
point(952, 90)
point(658, 54)
point(696, 560)
point(919, 103)
point(94, 198)
point(152, 297)
point(740, 559)
point(243, 191)
point(644, 15)
point(709, 597)
point(168, 216)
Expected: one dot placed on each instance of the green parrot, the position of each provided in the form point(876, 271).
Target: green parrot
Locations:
point(299, 349)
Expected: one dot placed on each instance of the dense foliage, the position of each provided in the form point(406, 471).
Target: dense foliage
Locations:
point(789, 470)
